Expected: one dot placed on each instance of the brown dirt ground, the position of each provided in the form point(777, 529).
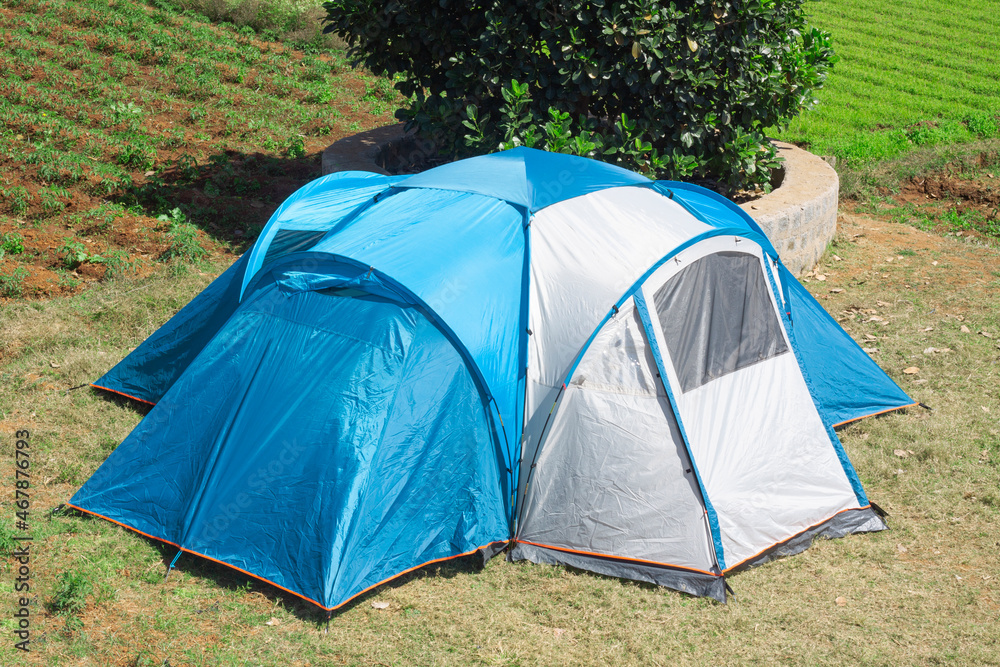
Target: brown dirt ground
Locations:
point(144, 238)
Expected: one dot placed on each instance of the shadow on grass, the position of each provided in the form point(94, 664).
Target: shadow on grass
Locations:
point(230, 579)
point(120, 400)
point(230, 195)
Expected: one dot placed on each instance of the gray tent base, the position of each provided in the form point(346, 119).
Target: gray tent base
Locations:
point(862, 520)
point(686, 581)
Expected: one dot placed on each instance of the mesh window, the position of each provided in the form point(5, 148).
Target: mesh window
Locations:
point(287, 241)
point(717, 318)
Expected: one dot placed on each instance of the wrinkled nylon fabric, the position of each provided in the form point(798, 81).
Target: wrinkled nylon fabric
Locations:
point(612, 477)
point(525, 177)
point(324, 482)
point(767, 462)
point(287, 241)
point(692, 583)
point(454, 239)
point(714, 209)
point(860, 520)
point(317, 206)
point(846, 384)
point(463, 255)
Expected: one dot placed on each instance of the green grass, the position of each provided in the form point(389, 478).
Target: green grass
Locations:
point(911, 73)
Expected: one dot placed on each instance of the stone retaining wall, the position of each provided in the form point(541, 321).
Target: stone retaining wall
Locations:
point(800, 216)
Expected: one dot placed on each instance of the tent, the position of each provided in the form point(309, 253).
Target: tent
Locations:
point(525, 350)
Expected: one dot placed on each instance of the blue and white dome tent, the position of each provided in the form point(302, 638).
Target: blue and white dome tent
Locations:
point(522, 349)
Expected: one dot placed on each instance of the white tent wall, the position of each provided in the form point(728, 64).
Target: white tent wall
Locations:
point(586, 252)
point(613, 477)
point(766, 460)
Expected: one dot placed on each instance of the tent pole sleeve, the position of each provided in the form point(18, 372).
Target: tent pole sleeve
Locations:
point(524, 332)
point(721, 231)
point(713, 518)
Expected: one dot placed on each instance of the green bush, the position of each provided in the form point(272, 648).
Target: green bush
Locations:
point(675, 90)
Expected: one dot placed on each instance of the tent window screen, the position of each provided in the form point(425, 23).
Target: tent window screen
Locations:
point(717, 318)
point(287, 241)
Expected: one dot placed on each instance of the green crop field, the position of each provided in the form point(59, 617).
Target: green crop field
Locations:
point(911, 73)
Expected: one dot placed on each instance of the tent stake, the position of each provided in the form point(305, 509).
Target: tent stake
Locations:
point(171, 566)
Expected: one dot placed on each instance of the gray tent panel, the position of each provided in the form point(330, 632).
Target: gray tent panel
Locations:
point(717, 318)
point(862, 520)
point(686, 581)
point(613, 478)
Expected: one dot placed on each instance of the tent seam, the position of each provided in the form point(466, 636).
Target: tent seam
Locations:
point(875, 414)
point(792, 537)
point(122, 393)
point(622, 558)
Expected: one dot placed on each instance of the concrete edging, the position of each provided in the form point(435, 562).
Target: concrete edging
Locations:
point(799, 217)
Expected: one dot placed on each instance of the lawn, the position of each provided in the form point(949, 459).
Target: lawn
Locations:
point(141, 150)
point(911, 73)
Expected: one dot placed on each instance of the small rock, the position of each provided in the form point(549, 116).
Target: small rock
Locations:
point(934, 263)
point(53, 364)
point(836, 290)
point(378, 604)
point(837, 259)
point(912, 370)
point(841, 601)
point(965, 329)
point(273, 621)
point(870, 350)
point(988, 335)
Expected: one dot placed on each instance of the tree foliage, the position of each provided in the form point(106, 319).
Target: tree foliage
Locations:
point(679, 89)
